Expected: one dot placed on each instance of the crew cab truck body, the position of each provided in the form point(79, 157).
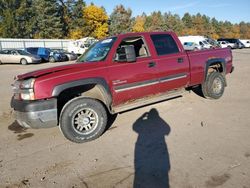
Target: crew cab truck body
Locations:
point(116, 74)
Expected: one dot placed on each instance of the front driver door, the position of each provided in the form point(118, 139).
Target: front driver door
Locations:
point(133, 80)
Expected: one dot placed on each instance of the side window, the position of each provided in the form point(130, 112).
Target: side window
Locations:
point(140, 47)
point(164, 44)
point(4, 52)
point(33, 50)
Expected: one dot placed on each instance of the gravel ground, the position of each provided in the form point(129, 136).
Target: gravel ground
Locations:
point(189, 142)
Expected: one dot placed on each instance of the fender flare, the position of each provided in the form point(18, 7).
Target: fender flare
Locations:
point(98, 81)
point(213, 61)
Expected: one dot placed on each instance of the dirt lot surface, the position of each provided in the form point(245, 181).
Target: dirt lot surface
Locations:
point(189, 142)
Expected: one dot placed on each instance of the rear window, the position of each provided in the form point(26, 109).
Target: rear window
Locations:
point(5, 52)
point(32, 50)
point(164, 44)
point(229, 40)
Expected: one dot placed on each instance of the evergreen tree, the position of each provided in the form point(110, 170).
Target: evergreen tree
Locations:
point(48, 19)
point(25, 17)
point(173, 23)
point(120, 20)
point(76, 22)
point(154, 22)
point(8, 22)
point(187, 20)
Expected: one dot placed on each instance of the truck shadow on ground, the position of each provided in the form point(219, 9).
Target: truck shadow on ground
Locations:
point(152, 163)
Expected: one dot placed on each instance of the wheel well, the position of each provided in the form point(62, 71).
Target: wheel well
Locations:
point(93, 91)
point(215, 67)
point(22, 59)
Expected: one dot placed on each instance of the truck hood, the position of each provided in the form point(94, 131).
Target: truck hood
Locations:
point(42, 72)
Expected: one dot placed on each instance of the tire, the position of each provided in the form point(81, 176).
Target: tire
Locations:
point(52, 60)
point(214, 85)
point(24, 61)
point(83, 119)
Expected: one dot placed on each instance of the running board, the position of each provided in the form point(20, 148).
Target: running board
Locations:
point(147, 100)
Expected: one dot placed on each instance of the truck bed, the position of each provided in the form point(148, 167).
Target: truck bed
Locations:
point(197, 61)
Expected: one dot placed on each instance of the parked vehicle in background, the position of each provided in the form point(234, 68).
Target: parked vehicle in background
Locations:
point(213, 42)
point(18, 56)
point(57, 56)
point(47, 54)
point(116, 74)
point(70, 56)
point(234, 43)
point(199, 40)
point(245, 42)
point(225, 44)
point(189, 46)
point(42, 52)
point(80, 46)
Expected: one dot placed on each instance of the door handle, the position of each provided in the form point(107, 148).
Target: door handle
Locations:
point(151, 64)
point(180, 60)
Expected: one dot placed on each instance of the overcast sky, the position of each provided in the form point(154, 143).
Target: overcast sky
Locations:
point(231, 10)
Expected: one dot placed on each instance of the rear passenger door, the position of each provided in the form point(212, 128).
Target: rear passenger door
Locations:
point(14, 57)
point(3, 56)
point(172, 63)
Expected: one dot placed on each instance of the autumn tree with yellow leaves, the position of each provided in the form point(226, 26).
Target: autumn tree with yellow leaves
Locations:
point(139, 24)
point(96, 21)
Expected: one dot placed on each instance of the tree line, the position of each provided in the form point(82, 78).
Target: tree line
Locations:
point(75, 19)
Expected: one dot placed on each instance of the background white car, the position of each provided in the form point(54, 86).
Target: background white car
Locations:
point(225, 44)
point(245, 42)
point(18, 56)
point(199, 40)
point(191, 46)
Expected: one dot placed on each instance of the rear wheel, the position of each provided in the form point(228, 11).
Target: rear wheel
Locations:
point(83, 119)
point(24, 62)
point(214, 85)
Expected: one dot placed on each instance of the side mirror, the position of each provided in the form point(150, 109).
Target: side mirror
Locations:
point(126, 54)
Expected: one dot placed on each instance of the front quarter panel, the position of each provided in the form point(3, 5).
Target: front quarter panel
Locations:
point(45, 84)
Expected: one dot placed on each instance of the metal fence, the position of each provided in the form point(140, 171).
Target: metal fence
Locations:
point(8, 43)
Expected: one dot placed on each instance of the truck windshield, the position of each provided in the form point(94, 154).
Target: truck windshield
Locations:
point(98, 51)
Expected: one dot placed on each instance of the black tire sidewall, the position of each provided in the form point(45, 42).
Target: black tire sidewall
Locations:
point(208, 90)
point(68, 112)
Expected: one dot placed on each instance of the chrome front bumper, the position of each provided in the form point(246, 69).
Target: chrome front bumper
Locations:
point(35, 114)
point(36, 120)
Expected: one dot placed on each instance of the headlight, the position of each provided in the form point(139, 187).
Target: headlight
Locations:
point(27, 84)
point(24, 89)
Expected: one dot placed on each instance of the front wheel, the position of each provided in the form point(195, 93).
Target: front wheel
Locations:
point(83, 119)
point(214, 85)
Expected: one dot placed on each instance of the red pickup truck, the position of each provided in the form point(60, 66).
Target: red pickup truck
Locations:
point(116, 74)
